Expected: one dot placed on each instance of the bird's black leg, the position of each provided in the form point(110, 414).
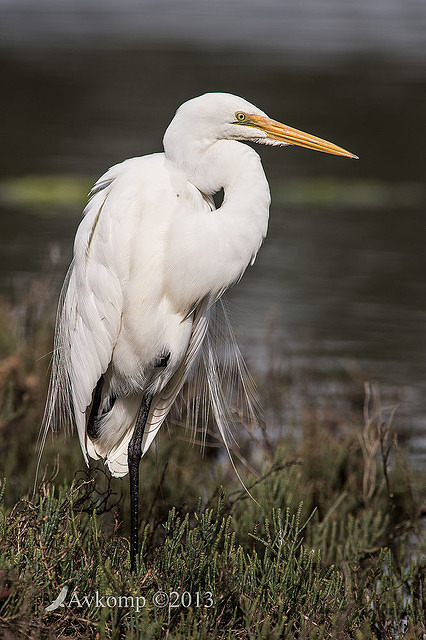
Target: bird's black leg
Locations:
point(134, 458)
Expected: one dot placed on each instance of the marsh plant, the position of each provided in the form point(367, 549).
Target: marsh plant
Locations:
point(328, 541)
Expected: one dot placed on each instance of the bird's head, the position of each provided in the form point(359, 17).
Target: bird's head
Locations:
point(223, 116)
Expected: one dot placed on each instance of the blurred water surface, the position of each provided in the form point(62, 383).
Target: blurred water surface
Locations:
point(301, 28)
point(343, 268)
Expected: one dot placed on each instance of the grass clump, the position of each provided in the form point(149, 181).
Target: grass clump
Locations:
point(198, 580)
point(330, 547)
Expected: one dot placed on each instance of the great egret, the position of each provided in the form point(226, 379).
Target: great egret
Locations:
point(152, 256)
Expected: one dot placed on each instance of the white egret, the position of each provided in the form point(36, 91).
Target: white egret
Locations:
point(152, 256)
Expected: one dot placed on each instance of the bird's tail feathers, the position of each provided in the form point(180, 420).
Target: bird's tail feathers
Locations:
point(59, 410)
point(220, 386)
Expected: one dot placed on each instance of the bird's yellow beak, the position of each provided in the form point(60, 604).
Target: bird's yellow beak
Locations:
point(283, 133)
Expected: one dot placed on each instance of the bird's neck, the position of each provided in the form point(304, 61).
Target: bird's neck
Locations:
point(231, 166)
point(227, 240)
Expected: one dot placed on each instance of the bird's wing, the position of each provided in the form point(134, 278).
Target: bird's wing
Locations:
point(89, 312)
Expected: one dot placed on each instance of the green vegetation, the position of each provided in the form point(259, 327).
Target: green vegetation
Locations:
point(46, 194)
point(331, 546)
point(40, 193)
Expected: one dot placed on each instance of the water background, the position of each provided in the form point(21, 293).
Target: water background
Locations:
point(343, 270)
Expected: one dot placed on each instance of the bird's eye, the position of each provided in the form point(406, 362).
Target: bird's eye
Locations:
point(241, 116)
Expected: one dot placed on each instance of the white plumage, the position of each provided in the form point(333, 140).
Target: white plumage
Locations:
point(152, 256)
